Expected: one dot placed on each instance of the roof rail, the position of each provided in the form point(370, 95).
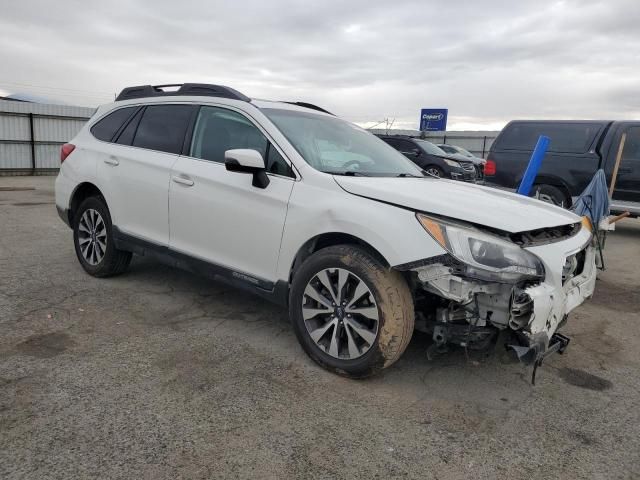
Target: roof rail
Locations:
point(310, 105)
point(193, 89)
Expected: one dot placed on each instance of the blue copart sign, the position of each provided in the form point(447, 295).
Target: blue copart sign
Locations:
point(433, 119)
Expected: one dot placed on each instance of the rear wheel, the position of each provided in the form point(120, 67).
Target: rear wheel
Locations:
point(93, 240)
point(551, 194)
point(351, 314)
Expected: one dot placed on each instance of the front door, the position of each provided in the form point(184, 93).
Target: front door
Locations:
point(219, 216)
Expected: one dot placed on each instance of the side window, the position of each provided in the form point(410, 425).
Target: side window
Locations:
point(406, 146)
point(129, 131)
point(565, 137)
point(632, 144)
point(162, 127)
point(218, 130)
point(392, 142)
point(276, 164)
point(106, 128)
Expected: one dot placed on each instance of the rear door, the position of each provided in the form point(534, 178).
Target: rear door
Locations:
point(627, 187)
point(136, 173)
point(219, 216)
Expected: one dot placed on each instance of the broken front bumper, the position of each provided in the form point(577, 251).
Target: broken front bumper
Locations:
point(556, 297)
point(533, 313)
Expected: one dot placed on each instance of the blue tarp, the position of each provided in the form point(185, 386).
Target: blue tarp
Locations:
point(594, 200)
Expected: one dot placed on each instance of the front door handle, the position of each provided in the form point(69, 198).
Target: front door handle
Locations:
point(112, 161)
point(183, 181)
point(625, 170)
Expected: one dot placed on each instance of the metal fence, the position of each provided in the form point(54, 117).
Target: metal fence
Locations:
point(31, 135)
point(477, 142)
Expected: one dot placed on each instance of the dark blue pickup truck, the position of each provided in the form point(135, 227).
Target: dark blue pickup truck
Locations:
point(576, 151)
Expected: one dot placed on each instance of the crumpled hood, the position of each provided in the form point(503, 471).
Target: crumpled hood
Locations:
point(486, 206)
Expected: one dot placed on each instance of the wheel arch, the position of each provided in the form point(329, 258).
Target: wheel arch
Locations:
point(329, 239)
point(81, 193)
point(556, 182)
point(546, 179)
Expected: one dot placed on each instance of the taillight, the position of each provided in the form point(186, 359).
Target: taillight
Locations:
point(66, 150)
point(490, 167)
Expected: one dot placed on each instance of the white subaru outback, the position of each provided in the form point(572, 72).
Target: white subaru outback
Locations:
point(294, 204)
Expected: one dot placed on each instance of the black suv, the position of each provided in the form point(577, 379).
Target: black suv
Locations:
point(578, 148)
point(432, 159)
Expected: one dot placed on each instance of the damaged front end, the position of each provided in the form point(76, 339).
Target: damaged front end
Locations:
point(488, 284)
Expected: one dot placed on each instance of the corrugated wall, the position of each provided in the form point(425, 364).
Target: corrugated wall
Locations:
point(52, 125)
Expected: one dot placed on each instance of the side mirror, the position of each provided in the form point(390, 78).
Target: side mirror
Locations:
point(245, 160)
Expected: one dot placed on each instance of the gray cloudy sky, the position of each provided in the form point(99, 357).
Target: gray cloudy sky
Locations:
point(487, 61)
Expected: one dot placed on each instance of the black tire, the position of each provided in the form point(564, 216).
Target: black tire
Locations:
point(435, 170)
point(113, 261)
point(392, 296)
point(551, 194)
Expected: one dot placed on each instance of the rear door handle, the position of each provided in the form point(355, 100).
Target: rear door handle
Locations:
point(625, 170)
point(112, 161)
point(183, 181)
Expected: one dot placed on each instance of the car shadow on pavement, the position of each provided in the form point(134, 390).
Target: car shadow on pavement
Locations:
point(189, 300)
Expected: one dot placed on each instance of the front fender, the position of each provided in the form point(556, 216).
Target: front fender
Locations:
point(393, 231)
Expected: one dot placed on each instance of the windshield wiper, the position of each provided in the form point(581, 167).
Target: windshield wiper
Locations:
point(409, 175)
point(350, 173)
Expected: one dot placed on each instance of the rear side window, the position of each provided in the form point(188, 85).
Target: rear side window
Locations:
point(162, 127)
point(565, 137)
point(106, 128)
point(126, 135)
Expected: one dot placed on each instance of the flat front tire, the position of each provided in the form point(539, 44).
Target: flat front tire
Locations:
point(93, 240)
point(352, 314)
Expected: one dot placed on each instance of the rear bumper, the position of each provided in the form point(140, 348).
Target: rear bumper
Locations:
point(63, 213)
point(63, 192)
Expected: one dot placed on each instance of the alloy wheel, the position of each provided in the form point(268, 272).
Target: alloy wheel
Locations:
point(92, 236)
point(340, 313)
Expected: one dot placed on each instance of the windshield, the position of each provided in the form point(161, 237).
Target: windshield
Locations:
point(335, 146)
point(464, 152)
point(447, 148)
point(431, 148)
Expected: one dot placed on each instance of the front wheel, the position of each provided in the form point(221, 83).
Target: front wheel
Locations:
point(434, 171)
point(93, 240)
point(351, 314)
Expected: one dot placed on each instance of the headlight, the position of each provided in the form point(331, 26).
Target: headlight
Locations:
point(451, 163)
point(486, 257)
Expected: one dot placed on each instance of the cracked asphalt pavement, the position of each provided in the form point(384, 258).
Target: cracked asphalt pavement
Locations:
point(161, 374)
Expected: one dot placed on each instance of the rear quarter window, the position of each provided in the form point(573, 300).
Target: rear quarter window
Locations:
point(565, 137)
point(106, 128)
